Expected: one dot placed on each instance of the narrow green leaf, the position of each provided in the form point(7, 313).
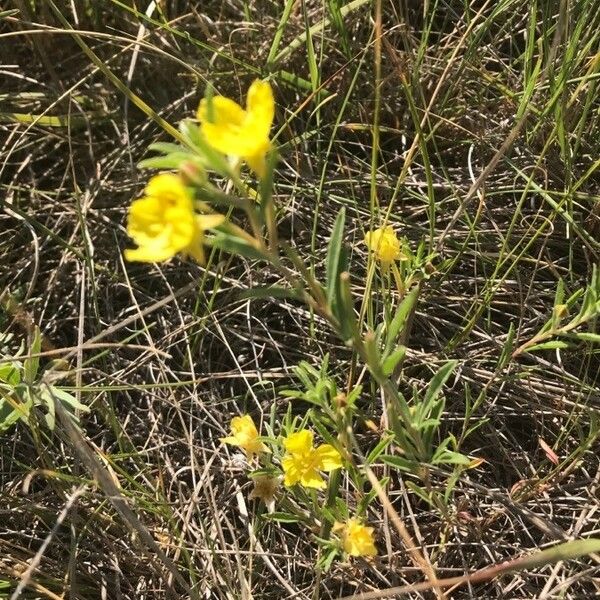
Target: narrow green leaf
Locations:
point(379, 448)
point(234, 245)
point(400, 317)
point(588, 336)
point(282, 517)
point(171, 161)
point(391, 362)
point(552, 345)
point(450, 457)
point(334, 256)
point(437, 383)
point(399, 463)
point(31, 364)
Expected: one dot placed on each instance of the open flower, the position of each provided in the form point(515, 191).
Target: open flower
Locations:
point(357, 539)
point(244, 134)
point(163, 222)
point(245, 435)
point(303, 462)
point(385, 244)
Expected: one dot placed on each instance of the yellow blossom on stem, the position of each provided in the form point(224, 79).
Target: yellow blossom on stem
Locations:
point(238, 132)
point(357, 539)
point(303, 461)
point(244, 435)
point(384, 243)
point(163, 222)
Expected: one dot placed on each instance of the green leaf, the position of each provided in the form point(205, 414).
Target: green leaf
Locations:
point(327, 559)
point(269, 291)
point(335, 15)
point(402, 313)
point(400, 463)
point(31, 364)
point(508, 347)
point(282, 517)
point(335, 258)
point(437, 383)
point(390, 363)
point(193, 137)
point(588, 336)
point(234, 245)
point(166, 148)
point(67, 399)
point(379, 448)
point(171, 161)
point(449, 457)
point(419, 491)
point(10, 373)
point(552, 345)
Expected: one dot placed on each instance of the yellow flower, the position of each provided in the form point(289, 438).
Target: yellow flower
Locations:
point(163, 222)
point(303, 462)
point(230, 129)
point(244, 435)
point(358, 539)
point(385, 244)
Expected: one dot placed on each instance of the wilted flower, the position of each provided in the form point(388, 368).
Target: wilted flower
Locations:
point(385, 244)
point(245, 435)
point(357, 539)
point(163, 222)
point(303, 462)
point(265, 487)
point(230, 129)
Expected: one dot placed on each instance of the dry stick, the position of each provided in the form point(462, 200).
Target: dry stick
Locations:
point(420, 560)
point(107, 485)
point(567, 551)
point(512, 136)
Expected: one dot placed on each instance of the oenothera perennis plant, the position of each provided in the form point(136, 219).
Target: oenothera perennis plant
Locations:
point(177, 209)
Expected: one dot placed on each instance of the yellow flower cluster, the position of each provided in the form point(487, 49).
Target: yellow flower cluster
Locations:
point(302, 464)
point(164, 221)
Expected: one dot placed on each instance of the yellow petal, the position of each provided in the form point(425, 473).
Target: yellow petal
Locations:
point(257, 163)
point(229, 440)
point(299, 442)
point(148, 254)
point(225, 112)
point(290, 471)
point(328, 458)
point(260, 106)
point(210, 221)
point(312, 479)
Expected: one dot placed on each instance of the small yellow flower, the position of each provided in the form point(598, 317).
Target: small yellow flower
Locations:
point(385, 244)
point(303, 462)
point(244, 435)
point(163, 222)
point(244, 134)
point(357, 539)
